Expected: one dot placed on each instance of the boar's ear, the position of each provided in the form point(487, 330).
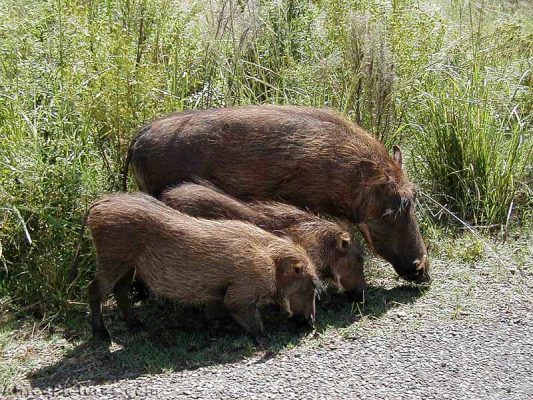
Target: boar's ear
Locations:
point(397, 153)
point(289, 268)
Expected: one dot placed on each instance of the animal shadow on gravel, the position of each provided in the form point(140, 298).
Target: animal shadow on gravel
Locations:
point(334, 310)
point(173, 339)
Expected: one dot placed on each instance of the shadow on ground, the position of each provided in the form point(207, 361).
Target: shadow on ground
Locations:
point(168, 344)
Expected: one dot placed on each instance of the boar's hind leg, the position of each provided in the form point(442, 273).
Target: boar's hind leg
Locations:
point(121, 292)
point(244, 310)
point(108, 273)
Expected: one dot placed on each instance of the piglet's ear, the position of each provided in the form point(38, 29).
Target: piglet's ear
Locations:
point(397, 154)
point(287, 267)
point(287, 272)
point(342, 243)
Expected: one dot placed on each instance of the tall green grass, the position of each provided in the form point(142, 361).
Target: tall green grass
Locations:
point(472, 121)
point(450, 82)
point(470, 155)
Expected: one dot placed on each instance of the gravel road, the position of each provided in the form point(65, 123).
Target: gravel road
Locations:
point(455, 362)
point(414, 351)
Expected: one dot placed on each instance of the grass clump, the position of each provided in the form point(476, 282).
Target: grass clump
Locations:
point(472, 123)
point(473, 159)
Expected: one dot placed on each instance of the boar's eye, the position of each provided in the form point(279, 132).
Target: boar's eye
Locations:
point(401, 203)
point(397, 206)
point(405, 203)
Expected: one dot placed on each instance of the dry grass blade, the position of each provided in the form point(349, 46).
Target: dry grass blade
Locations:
point(469, 227)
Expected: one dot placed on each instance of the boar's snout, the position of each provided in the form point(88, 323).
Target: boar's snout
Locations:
point(358, 292)
point(420, 271)
point(305, 312)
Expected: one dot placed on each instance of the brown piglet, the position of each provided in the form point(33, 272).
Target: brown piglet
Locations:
point(328, 245)
point(195, 261)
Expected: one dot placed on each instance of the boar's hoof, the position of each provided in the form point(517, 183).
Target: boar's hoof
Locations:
point(260, 341)
point(254, 331)
point(301, 323)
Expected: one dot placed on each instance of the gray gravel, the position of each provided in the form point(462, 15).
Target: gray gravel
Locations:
point(489, 361)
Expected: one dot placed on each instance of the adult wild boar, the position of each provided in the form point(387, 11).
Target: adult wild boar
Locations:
point(328, 245)
point(308, 157)
point(195, 261)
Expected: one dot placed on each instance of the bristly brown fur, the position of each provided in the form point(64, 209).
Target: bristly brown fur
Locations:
point(327, 244)
point(193, 260)
point(216, 136)
point(312, 158)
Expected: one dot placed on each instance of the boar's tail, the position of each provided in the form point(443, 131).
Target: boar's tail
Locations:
point(127, 166)
point(73, 272)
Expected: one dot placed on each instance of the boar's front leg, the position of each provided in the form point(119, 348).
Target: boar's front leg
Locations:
point(243, 308)
point(214, 314)
point(215, 311)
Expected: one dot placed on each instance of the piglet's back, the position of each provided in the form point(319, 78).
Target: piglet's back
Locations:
point(166, 246)
point(119, 223)
point(204, 200)
point(146, 216)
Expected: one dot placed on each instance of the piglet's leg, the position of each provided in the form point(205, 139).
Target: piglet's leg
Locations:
point(243, 308)
point(121, 292)
point(97, 290)
point(217, 318)
point(215, 310)
point(108, 272)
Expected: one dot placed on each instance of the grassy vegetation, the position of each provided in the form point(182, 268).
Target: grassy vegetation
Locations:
point(450, 82)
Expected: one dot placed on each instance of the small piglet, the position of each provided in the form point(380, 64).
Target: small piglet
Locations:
point(195, 261)
point(327, 244)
